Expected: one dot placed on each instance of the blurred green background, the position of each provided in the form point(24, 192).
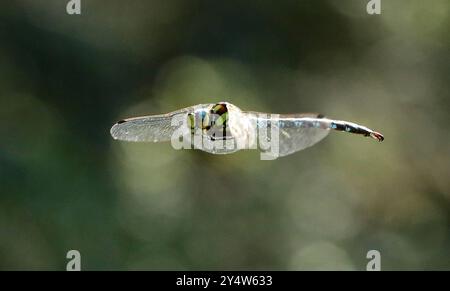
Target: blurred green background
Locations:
point(65, 184)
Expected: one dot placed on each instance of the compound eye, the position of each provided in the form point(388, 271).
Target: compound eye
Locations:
point(205, 120)
point(222, 111)
point(219, 109)
point(222, 120)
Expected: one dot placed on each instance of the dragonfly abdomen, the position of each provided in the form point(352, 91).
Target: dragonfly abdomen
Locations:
point(354, 128)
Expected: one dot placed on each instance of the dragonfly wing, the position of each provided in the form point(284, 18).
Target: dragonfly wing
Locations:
point(293, 139)
point(295, 131)
point(152, 128)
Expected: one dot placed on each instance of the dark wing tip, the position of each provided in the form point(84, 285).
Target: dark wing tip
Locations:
point(115, 129)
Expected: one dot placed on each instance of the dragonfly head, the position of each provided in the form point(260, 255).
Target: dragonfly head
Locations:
point(211, 121)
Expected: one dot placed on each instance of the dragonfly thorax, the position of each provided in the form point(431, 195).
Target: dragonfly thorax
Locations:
point(212, 121)
point(217, 128)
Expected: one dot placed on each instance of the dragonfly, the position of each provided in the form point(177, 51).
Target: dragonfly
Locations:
point(223, 128)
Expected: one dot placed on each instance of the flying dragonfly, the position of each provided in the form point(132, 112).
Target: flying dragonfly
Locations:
point(223, 128)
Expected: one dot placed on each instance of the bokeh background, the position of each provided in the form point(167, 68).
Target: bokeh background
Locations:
point(65, 184)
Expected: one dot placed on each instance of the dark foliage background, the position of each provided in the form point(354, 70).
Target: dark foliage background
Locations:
point(65, 184)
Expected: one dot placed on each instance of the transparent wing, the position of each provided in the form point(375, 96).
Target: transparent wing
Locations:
point(296, 131)
point(153, 128)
